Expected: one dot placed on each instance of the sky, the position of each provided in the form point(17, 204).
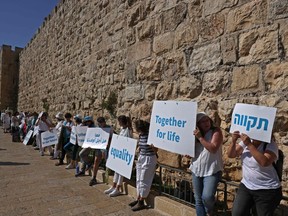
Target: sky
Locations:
point(20, 19)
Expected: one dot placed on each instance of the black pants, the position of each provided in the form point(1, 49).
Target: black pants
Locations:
point(265, 201)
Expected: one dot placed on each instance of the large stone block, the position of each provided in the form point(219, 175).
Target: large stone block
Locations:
point(245, 78)
point(229, 49)
point(276, 76)
point(190, 87)
point(216, 83)
point(150, 70)
point(247, 16)
point(186, 34)
point(212, 27)
point(278, 9)
point(212, 7)
point(133, 92)
point(163, 43)
point(258, 45)
point(166, 91)
point(146, 29)
point(138, 51)
point(204, 58)
point(174, 16)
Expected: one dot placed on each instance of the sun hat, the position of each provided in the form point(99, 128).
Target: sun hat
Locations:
point(59, 115)
point(88, 118)
point(78, 116)
point(201, 115)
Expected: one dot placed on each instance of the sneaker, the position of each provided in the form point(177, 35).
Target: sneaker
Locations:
point(114, 193)
point(108, 191)
point(70, 166)
point(52, 158)
point(81, 173)
point(133, 203)
point(42, 153)
point(59, 163)
point(92, 182)
point(139, 206)
point(36, 148)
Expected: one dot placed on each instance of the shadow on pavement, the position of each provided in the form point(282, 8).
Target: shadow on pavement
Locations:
point(12, 163)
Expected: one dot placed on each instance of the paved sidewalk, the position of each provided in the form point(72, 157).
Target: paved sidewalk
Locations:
point(32, 185)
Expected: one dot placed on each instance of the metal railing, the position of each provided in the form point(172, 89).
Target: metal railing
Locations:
point(177, 185)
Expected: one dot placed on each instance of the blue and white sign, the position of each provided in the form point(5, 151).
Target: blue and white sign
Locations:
point(27, 137)
point(81, 133)
point(73, 135)
point(255, 121)
point(121, 155)
point(49, 138)
point(171, 126)
point(96, 138)
point(35, 131)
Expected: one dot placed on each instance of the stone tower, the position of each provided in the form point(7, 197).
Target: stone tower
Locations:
point(9, 77)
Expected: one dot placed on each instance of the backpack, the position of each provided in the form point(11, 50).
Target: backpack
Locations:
point(278, 165)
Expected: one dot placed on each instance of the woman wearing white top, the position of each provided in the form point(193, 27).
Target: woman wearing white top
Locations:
point(207, 164)
point(260, 185)
point(60, 118)
point(126, 131)
point(44, 124)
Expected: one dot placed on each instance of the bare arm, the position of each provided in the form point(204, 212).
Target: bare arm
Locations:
point(214, 144)
point(264, 159)
point(234, 150)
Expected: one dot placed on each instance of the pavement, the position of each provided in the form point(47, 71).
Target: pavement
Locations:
point(32, 185)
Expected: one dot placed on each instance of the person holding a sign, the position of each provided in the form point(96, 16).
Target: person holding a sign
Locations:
point(126, 131)
point(66, 130)
point(100, 153)
point(145, 167)
point(260, 185)
point(44, 124)
point(60, 119)
point(71, 147)
point(84, 153)
point(207, 164)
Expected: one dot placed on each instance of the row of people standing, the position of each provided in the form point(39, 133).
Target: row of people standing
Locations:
point(145, 167)
point(206, 167)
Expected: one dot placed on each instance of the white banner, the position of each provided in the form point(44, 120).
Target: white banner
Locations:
point(171, 126)
point(49, 138)
point(96, 138)
point(81, 133)
point(73, 135)
point(255, 121)
point(36, 130)
point(121, 155)
point(27, 137)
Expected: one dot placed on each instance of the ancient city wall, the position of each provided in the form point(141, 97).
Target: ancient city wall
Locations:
point(9, 77)
point(214, 52)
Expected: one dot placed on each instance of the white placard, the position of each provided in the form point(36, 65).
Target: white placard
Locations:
point(49, 138)
point(121, 155)
point(96, 138)
point(81, 133)
point(171, 126)
point(36, 130)
point(73, 135)
point(27, 137)
point(255, 121)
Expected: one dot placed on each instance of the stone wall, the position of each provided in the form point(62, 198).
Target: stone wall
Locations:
point(9, 77)
point(217, 53)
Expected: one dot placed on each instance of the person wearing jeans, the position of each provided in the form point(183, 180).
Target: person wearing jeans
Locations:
point(207, 164)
